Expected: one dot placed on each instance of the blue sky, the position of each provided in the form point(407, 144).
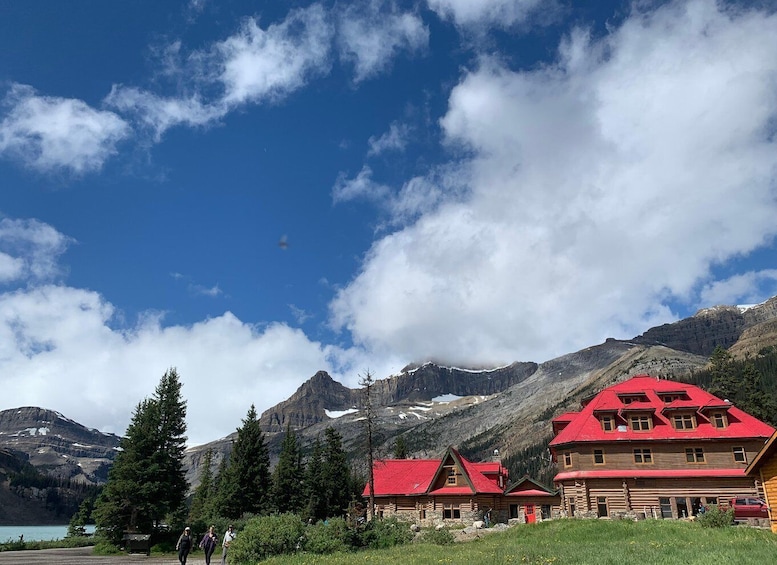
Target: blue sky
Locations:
point(254, 191)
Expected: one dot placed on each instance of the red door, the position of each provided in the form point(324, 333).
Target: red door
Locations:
point(530, 517)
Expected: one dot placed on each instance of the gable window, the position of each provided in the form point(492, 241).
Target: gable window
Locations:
point(451, 476)
point(640, 423)
point(567, 459)
point(608, 423)
point(739, 455)
point(694, 454)
point(719, 420)
point(684, 421)
point(643, 456)
point(451, 512)
point(598, 457)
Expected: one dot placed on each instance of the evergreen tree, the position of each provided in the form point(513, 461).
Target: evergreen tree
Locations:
point(203, 494)
point(126, 501)
point(755, 400)
point(147, 481)
point(336, 474)
point(315, 485)
point(721, 369)
point(287, 492)
point(171, 482)
point(244, 485)
point(400, 448)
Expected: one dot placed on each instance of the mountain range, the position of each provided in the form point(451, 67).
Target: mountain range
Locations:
point(431, 406)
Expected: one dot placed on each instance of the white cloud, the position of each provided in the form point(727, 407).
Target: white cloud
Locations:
point(60, 339)
point(494, 12)
point(599, 187)
point(49, 133)
point(395, 139)
point(258, 64)
point(745, 288)
point(372, 33)
point(361, 186)
point(29, 250)
point(159, 114)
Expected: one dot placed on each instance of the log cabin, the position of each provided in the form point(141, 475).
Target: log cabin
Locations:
point(654, 447)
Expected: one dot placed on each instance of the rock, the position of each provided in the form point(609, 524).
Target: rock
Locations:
point(415, 528)
point(478, 524)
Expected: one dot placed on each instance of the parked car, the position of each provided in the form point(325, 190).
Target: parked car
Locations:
point(746, 507)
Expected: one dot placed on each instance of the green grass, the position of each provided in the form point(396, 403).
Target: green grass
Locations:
point(595, 542)
point(15, 545)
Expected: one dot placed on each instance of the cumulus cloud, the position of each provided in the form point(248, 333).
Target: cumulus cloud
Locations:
point(495, 12)
point(259, 64)
point(745, 288)
point(61, 339)
point(49, 133)
point(372, 33)
point(30, 250)
point(599, 188)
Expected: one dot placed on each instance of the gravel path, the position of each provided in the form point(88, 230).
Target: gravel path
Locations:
point(83, 555)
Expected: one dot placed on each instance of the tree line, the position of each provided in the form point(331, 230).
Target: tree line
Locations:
point(146, 490)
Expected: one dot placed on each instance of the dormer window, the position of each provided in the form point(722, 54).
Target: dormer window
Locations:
point(607, 422)
point(684, 421)
point(668, 397)
point(640, 422)
point(636, 397)
point(718, 420)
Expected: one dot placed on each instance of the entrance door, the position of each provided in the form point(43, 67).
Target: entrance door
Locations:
point(601, 506)
point(531, 518)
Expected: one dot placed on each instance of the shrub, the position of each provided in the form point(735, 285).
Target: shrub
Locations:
point(437, 537)
point(714, 517)
point(380, 534)
point(266, 536)
point(329, 537)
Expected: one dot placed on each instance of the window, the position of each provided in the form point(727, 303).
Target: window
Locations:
point(694, 454)
point(451, 512)
point(718, 420)
point(640, 423)
point(672, 396)
point(601, 506)
point(739, 455)
point(598, 457)
point(684, 422)
point(451, 476)
point(608, 423)
point(422, 514)
point(643, 456)
point(567, 459)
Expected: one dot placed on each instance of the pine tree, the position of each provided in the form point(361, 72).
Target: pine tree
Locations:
point(287, 492)
point(147, 481)
point(721, 369)
point(400, 448)
point(336, 474)
point(315, 485)
point(244, 485)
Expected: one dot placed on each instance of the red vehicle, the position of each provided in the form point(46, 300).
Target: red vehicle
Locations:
point(746, 507)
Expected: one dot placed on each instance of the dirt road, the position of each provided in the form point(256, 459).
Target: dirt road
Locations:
point(83, 556)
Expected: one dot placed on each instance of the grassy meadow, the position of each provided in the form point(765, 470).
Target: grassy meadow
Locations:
point(594, 542)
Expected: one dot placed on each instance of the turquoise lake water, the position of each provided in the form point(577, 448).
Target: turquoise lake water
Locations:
point(35, 533)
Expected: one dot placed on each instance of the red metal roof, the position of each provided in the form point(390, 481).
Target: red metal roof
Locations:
point(414, 476)
point(585, 426)
point(530, 492)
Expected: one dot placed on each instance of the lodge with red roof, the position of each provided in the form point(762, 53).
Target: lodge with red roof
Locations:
point(654, 446)
point(453, 489)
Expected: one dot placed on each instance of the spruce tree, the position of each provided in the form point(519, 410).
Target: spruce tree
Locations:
point(315, 485)
point(147, 481)
point(244, 486)
point(336, 474)
point(287, 492)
